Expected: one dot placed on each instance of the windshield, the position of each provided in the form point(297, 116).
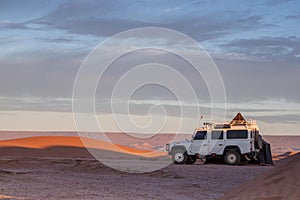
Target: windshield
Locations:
point(200, 135)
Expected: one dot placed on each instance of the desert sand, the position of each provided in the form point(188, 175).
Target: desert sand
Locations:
point(282, 182)
point(59, 167)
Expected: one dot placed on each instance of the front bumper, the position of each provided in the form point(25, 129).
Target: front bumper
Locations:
point(168, 147)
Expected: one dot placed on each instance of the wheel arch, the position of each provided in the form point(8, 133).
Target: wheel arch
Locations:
point(231, 148)
point(177, 147)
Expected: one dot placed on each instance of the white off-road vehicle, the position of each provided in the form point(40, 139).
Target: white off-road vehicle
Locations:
point(233, 142)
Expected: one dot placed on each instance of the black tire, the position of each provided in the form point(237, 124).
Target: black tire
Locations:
point(179, 156)
point(232, 157)
point(190, 160)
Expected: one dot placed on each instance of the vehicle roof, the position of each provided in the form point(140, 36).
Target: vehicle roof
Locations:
point(237, 123)
point(235, 127)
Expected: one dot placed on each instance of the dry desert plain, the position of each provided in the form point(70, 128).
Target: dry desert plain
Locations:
point(58, 166)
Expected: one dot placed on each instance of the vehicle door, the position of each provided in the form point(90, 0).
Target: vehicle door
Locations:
point(200, 143)
point(240, 138)
point(216, 142)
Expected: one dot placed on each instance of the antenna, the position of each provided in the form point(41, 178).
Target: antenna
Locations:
point(199, 122)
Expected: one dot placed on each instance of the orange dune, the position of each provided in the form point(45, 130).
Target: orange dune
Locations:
point(42, 142)
point(289, 152)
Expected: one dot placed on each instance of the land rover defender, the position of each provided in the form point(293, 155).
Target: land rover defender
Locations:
point(235, 141)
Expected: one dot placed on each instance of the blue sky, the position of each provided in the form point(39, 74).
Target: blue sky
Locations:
point(255, 44)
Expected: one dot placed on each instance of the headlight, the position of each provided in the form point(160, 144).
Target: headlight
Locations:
point(168, 147)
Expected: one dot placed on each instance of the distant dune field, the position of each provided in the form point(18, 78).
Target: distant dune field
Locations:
point(65, 143)
point(282, 146)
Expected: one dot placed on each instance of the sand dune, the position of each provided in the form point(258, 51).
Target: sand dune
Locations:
point(131, 140)
point(280, 183)
point(290, 152)
point(46, 142)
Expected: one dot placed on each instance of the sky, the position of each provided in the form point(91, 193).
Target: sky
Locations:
point(255, 45)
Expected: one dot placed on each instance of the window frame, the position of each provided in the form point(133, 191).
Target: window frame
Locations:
point(221, 135)
point(237, 137)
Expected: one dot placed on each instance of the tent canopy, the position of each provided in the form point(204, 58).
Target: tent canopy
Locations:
point(238, 120)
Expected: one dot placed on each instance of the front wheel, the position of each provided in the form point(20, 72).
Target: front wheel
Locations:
point(179, 156)
point(232, 158)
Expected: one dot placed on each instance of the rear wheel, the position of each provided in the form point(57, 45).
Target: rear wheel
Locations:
point(179, 156)
point(190, 160)
point(232, 157)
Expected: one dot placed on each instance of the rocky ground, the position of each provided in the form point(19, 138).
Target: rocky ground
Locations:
point(66, 178)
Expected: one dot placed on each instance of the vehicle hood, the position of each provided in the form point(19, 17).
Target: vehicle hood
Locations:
point(181, 142)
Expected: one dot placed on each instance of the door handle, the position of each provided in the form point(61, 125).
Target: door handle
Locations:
point(220, 144)
point(204, 144)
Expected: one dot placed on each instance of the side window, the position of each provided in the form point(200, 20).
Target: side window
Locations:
point(237, 134)
point(200, 135)
point(217, 135)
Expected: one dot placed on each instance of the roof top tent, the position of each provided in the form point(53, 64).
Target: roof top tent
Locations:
point(238, 120)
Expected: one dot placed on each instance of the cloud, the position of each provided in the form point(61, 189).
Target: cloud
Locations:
point(5, 24)
point(293, 17)
point(267, 48)
point(105, 18)
point(39, 74)
point(36, 104)
point(102, 27)
point(291, 118)
point(277, 2)
point(59, 40)
point(264, 41)
point(201, 28)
